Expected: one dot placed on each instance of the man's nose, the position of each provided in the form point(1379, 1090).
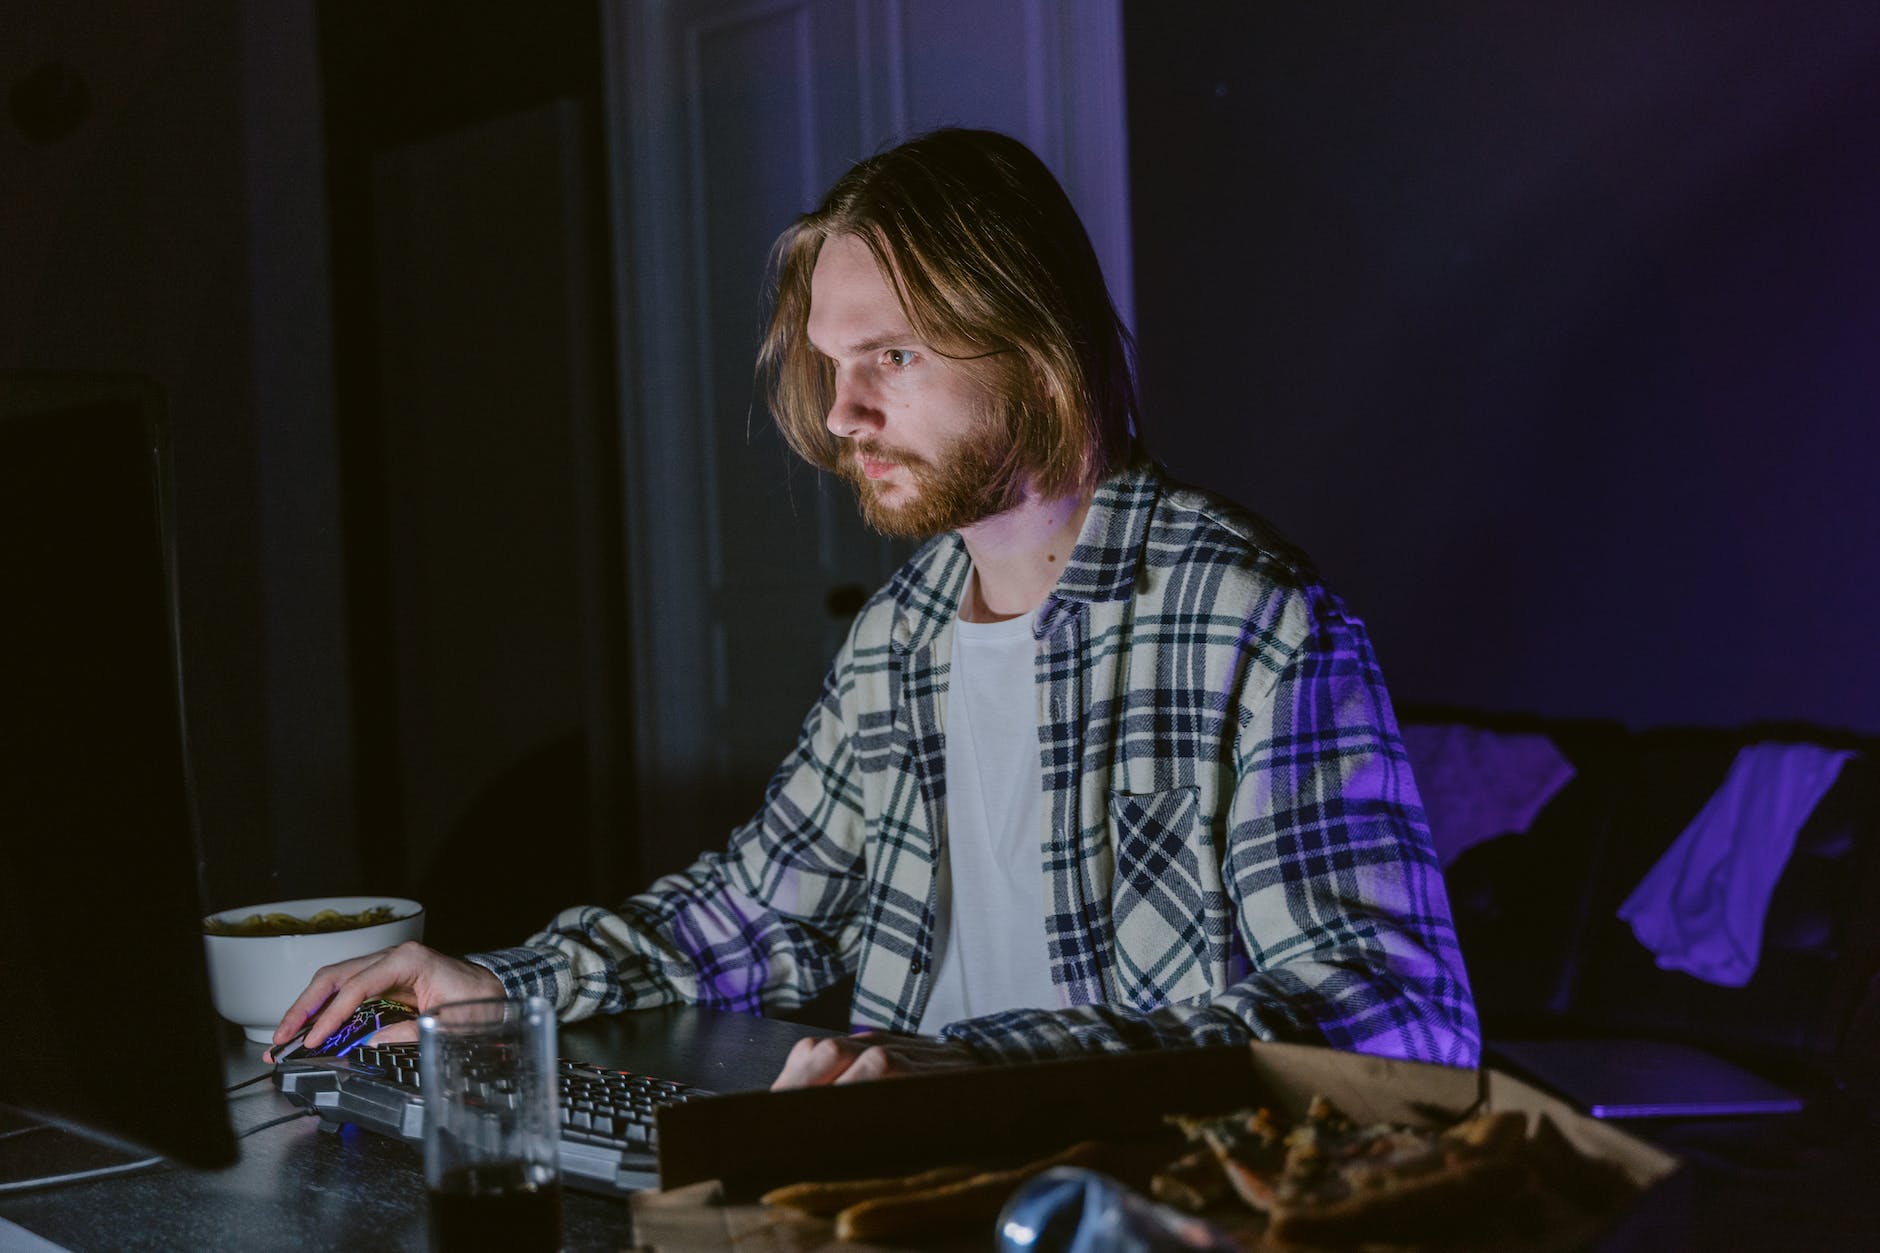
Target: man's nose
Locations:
point(852, 413)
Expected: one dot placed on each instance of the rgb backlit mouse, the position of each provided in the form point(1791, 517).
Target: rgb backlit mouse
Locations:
point(366, 1021)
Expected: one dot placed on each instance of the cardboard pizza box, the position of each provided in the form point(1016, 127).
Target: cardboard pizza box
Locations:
point(717, 1155)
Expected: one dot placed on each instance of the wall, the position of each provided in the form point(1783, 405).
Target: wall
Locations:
point(1550, 334)
point(1549, 331)
point(174, 233)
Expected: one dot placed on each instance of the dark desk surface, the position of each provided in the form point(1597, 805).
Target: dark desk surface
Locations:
point(297, 1187)
point(1791, 1183)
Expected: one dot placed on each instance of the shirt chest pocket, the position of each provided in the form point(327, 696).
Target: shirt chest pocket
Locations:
point(1166, 903)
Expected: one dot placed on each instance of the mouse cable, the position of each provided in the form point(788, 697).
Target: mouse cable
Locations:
point(51, 1181)
point(275, 1122)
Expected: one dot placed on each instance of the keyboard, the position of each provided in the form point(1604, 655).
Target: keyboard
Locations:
point(608, 1139)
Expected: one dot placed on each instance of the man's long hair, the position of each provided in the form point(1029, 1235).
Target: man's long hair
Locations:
point(993, 270)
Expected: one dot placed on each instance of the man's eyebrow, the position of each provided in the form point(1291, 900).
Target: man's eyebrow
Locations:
point(874, 343)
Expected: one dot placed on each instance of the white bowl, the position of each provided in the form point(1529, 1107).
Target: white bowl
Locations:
point(254, 978)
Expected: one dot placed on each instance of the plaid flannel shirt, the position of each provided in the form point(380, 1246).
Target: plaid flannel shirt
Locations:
point(1234, 847)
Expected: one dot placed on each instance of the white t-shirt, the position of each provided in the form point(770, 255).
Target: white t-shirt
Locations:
point(991, 918)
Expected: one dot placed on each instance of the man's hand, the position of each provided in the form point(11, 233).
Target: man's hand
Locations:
point(409, 972)
point(867, 1055)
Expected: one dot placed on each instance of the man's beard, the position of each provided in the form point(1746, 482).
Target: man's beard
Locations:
point(969, 482)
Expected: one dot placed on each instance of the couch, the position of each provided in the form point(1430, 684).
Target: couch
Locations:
point(1537, 915)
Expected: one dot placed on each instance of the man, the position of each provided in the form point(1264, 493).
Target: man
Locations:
point(1102, 767)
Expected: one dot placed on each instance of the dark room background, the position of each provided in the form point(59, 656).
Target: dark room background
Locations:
point(1551, 331)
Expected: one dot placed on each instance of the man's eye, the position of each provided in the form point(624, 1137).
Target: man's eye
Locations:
point(899, 358)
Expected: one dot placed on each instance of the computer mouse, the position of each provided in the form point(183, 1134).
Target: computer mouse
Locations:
point(371, 1017)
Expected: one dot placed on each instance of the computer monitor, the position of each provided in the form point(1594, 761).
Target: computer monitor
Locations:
point(108, 1027)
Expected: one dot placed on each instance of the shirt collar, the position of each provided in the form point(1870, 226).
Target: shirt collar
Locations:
point(1103, 565)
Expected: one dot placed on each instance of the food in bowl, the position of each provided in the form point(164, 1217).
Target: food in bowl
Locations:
point(293, 924)
point(254, 976)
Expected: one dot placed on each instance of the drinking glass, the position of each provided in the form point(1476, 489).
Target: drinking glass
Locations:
point(491, 1166)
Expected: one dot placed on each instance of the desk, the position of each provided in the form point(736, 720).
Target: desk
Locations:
point(299, 1188)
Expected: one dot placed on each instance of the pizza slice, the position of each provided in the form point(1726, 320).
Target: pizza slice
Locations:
point(1250, 1147)
point(1328, 1180)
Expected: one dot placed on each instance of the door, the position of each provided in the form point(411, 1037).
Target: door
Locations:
point(478, 458)
point(728, 119)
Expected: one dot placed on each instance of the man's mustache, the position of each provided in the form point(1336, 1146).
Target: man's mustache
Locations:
point(853, 454)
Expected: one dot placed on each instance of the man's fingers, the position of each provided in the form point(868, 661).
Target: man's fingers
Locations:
point(798, 1067)
point(874, 1063)
point(786, 1077)
point(382, 976)
point(318, 991)
point(406, 972)
point(867, 1055)
point(317, 994)
point(398, 1033)
point(813, 1062)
